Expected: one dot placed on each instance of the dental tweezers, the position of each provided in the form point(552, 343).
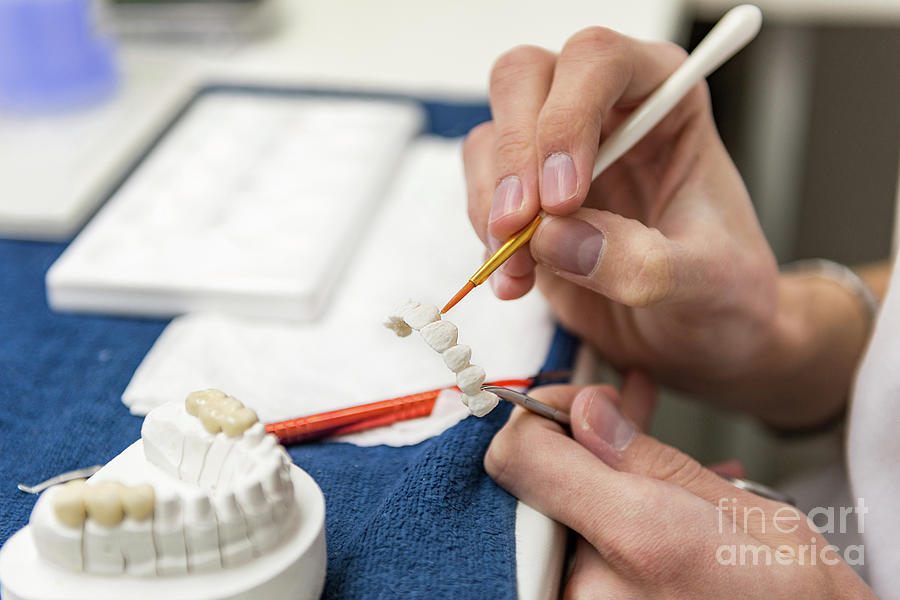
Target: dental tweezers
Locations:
point(529, 403)
point(561, 417)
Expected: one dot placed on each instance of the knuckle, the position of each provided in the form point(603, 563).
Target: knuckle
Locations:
point(514, 64)
point(596, 39)
point(607, 53)
point(678, 53)
point(513, 149)
point(651, 281)
point(651, 558)
point(560, 122)
point(645, 557)
point(652, 552)
point(671, 465)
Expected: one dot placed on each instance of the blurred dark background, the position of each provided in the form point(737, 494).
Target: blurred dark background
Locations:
point(811, 115)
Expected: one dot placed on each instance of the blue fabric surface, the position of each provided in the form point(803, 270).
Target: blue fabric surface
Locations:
point(419, 521)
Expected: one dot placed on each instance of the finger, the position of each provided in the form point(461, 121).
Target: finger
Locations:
point(620, 514)
point(478, 151)
point(597, 425)
point(729, 468)
point(562, 397)
point(638, 400)
point(592, 577)
point(520, 81)
point(597, 69)
point(519, 264)
point(617, 257)
point(602, 429)
point(514, 282)
point(506, 287)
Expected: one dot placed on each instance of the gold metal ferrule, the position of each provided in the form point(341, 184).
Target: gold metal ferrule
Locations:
point(505, 251)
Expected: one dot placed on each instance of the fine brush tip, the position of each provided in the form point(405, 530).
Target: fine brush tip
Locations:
point(459, 296)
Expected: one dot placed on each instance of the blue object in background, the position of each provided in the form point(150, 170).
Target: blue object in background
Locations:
point(50, 56)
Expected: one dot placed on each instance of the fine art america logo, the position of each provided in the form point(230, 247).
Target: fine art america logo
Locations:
point(789, 523)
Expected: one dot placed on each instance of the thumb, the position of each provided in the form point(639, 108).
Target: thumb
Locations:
point(599, 426)
point(617, 257)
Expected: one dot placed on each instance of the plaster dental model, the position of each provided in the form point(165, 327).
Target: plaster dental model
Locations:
point(204, 505)
point(442, 337)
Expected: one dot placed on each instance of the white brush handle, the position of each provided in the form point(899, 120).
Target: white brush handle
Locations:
point(731, 33)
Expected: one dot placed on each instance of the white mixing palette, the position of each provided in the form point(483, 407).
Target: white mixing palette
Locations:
point(251, 205)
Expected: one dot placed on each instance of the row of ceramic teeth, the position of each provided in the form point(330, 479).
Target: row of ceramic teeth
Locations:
point(442, 337)
point(218, 411)
point(106, 503)
point(112, 528)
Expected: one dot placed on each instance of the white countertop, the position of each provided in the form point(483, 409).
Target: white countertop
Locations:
point(57, 169)
point(427, 48)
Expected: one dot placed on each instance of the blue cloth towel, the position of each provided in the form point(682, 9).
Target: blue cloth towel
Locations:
point(412, 522)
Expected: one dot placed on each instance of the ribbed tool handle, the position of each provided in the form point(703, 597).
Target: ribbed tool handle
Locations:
point(302, 428)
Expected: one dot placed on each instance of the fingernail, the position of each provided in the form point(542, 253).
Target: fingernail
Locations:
point(603, 418)
point(559, 182)
point(569, 245)
point(508, 198)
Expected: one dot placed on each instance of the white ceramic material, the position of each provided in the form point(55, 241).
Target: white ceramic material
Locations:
point(251, 204)
point(256, 534)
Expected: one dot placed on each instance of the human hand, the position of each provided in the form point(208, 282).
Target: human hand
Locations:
point(660, 263)
point(654, 523)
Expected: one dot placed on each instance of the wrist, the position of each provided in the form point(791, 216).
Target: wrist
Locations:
point(817, 336)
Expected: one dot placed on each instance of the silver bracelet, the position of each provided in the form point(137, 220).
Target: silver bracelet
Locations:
point(840, 274)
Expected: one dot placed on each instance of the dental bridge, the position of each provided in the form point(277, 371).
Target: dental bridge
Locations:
point(442, 337)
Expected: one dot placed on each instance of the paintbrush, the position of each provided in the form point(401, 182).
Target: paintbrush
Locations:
point(731, 33)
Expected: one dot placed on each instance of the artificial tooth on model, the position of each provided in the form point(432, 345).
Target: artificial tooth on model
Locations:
point(103, 502)
point(195, 400)
point(58, 527)
point(138, 501)
point(457, 357)
point(242, 503)
point(398, 326)
point(469, 380)
point(220, 412)
point(442, 337)
point(238, 421)
point(420, 316)
point(102, 545)
point(68, 503)
point(482, 402)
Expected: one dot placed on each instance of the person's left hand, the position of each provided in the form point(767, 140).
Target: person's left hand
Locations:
point(653, 522)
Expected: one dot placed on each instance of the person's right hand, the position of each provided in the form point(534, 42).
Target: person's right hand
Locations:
point(660, 263)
